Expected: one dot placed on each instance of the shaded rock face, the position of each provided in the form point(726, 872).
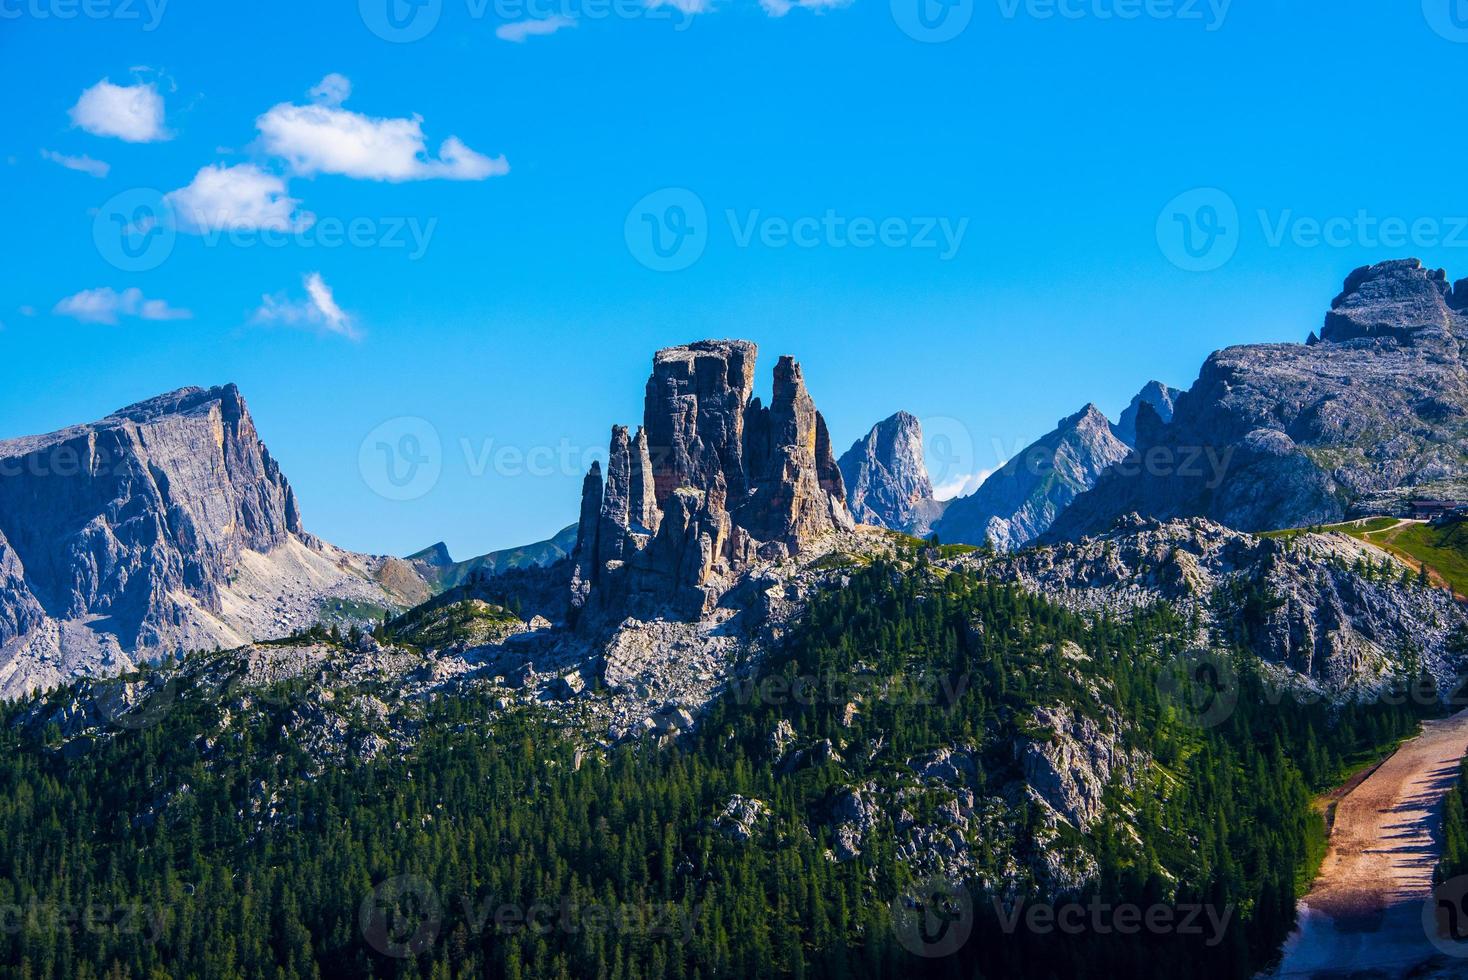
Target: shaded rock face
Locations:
point(695, 415)
point(1287, 435)
point(19, 611)
point(1022, 499)
point(114, 519)
point(712, 481)
point(1156, 395)
point(886, 478)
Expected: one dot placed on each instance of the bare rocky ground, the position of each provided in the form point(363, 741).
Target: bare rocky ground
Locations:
point(1364, 915)
point(267, 595)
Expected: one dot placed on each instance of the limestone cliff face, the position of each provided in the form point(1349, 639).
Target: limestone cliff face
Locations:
point(1022, 499)
point(713, 480)
point(115, 519)
point(147, 532)
point(886, 478)
point(1287, 435)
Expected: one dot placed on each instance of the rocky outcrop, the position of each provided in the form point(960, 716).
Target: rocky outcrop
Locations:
point(19, 611)
point(1154, 394)
point(886, 478)
point(697, 400)
point(713, 482)
point(1022, 499)
point(1288, 435)
point(1325, 606)
point(139, 534)
point(1072, 769)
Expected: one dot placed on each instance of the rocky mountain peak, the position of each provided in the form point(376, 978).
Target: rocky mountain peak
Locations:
point(1156, 396)
point(435, 556)
point(1022, 499)
point(126, 536)
point(712, 480)
point(1285, 435)
point(886, 477)
point(1399, 300)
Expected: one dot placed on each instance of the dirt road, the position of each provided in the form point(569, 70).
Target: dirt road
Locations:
point(1364, 914)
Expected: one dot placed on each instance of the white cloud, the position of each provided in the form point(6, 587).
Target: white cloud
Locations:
point(779, 8)
point(325, 138)
point(82, 164)
point(129, 112)
point(961, 486)
point(333, 90)
point(319, 309)
point(237, 198)
point(521, 29)
point(105, 305)
point(689, 7)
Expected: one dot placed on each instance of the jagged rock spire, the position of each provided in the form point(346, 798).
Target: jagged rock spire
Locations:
point(711, 480)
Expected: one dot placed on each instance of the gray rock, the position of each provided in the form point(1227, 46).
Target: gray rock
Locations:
point(1154, 394)
point(1343, 631)
point(1289, 435)
point(166, 526)
point(1019, 502)
point(853, 815)
point(711, 484)
point(740, 816)
point(886, 478)
point(1072, 769)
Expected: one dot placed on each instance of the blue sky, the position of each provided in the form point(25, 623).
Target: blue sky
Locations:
point(1054, 134)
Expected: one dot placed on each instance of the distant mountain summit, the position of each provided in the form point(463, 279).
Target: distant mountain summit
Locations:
point(1154, 394)
point(166, 526)
point(1018, 503)
point(1286, 435)
point(886, 477)
point(438, 567)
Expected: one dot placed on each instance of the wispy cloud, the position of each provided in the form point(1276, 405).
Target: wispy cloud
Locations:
point(82, 164)
point(688, 7)
point(107, 305)
point(779, 8)
point(133, 113)
point(319, 310)
point(238, 198)
point(521, 29)
point(323, 138)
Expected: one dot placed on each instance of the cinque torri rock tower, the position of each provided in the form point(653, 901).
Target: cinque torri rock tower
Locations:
point(713, 482)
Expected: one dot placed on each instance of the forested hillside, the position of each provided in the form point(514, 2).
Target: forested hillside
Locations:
point(776, 839)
